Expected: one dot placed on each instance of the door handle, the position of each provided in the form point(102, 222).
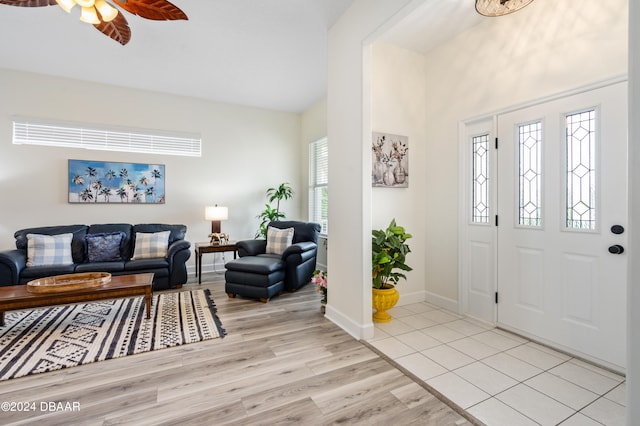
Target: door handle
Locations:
point(616, 249)
point(617, 229)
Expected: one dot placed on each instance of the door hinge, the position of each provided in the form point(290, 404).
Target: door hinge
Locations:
point(496, 220)
point(496, 143)
point(496, 297)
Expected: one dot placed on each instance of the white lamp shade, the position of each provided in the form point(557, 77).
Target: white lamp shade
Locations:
point(89, 15)
point(107, 12)
point(66, 5)
point(216, 213)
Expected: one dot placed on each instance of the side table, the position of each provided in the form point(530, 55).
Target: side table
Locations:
point(202, 248)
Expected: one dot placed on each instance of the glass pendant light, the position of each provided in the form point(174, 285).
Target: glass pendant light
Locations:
point(499, 7)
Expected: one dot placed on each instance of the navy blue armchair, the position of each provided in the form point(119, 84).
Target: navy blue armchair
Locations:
point(261, 275)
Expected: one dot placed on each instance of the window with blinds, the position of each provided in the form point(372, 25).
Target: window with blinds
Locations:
point(318, 183)
point(77, 135)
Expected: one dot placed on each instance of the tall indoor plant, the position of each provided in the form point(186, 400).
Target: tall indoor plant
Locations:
point(388, 264)
point(269, 214)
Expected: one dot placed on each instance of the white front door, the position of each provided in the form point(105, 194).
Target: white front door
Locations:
point(562, 210)
point(478, 243)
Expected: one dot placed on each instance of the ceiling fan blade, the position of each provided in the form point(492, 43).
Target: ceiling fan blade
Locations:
point(157, 10)
point(118, 29)
point(29, 3)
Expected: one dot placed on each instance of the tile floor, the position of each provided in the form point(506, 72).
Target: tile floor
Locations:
point(498, 377)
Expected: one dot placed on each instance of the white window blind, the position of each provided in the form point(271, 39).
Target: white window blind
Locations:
point(31, 131)
point(319, 183)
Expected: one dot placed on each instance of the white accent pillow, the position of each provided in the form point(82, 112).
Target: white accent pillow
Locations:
point(151, 245)
point(49, 249)
point(278, 240)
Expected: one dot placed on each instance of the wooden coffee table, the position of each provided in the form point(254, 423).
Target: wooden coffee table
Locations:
point(17, 297)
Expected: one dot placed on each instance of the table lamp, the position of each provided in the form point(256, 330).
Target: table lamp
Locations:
point(215, 214)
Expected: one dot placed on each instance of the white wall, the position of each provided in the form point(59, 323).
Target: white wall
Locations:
point(428, 95)
point(313, 124)
point(399, 106)
point(349, 131)
point(633, 313)
point(314, 127)
point(546, 48)
point(245, 150)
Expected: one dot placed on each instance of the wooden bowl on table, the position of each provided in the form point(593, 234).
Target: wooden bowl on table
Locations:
point(68, 282)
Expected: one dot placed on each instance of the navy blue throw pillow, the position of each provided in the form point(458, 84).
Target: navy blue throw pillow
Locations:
point(104, 247)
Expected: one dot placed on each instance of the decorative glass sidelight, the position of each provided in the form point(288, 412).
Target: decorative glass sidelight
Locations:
point(581, 170)
point(480, 184)
point(530, 174)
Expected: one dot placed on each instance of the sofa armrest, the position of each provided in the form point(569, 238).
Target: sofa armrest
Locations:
point(299, 248)
point(12, 262)
point(176, 246)
point(299, 253)
point(177, 256)
point(251, 247)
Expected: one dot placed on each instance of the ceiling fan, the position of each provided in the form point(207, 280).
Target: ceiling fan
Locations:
point(107, 18)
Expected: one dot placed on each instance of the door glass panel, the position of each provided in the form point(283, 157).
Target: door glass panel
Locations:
point(581, 170)
point(480, 184)
point(530, 174)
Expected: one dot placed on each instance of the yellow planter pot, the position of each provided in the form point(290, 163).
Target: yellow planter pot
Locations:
point(381, 300)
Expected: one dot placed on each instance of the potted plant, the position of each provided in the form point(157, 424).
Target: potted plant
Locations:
point(319, 278)
point(388, 264)
point(269, 214)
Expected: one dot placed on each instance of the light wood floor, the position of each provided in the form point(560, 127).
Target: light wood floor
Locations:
point(280, 363)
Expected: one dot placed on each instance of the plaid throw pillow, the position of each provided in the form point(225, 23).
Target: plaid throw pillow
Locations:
point(151, 245)
point(278, 240)
point(49, 249)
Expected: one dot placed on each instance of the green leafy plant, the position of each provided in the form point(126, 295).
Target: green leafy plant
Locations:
point(269, 214)
point(388, 255)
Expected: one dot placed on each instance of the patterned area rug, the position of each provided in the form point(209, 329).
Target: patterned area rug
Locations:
point(58, 337)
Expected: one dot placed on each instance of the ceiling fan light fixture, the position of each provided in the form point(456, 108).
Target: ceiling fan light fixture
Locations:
point(109, 19)
point(85, 3)
point(66, 5)
point(89, 15)
point(493, 8)
point(107, 12)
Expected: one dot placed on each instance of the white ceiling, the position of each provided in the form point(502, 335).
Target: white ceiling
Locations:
point(267, 53)
point(433, 23)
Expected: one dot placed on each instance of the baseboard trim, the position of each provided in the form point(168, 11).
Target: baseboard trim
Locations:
point(357, 331)
point(425, 296)
point(442, 302)
point(410, 298)
point(219, 267)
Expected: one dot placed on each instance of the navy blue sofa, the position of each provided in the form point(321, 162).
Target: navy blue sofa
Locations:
point(169, 272)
